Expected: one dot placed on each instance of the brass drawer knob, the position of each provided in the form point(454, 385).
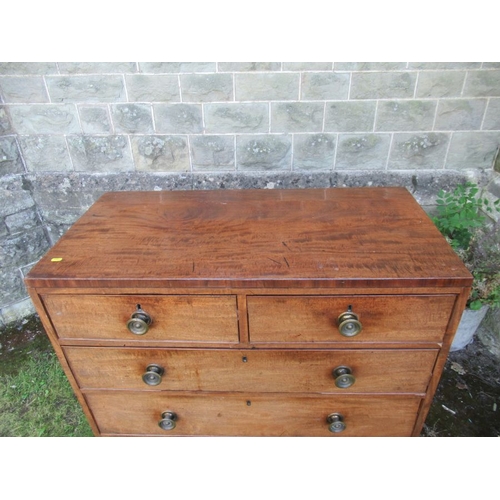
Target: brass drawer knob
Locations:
point(349, 324)
point(139, 322)
point(335, 422)
point(153, 374)
point(167, 422)
point(343, 377)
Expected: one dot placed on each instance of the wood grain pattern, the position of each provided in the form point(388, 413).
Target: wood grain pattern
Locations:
point(384, 318)
point(347, 237)
point(216, 414)
point(382, 371)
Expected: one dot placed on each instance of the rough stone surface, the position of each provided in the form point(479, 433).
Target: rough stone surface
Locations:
point(313, 152)
point(12, 288)
point(96, 67)
point(94, 119)
point(153, 88)
point(132, 118)
point(492, 118)
point(96, 153)
point(440, 83)
point(307, 66)
point(358, 151)
point(177, 67)
point(161, 153)
point(350, 116)
point(10, 159)
point(460, 114)
point(178, 118)
point(5, 127)
point(249, 66)
point(405, 115)
point(27, 68)
point(24, 248)
point(267, 86)
point(272, 152)
point(369, 66)
point(22, 221)
point(23, 89)
point(381, 85)
point(482, 84)
point(473, 150)
point(45, 153)
point(206, 88)
point(86, 88)
point(45, 119)
point(236, 118)
point(297, 117)
point(14, 197)
point(328, 86)
point(411, 151)
point(443, 65)
point(212, 152)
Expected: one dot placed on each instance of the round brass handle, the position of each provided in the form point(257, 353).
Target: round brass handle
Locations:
point(167, 422)
point(349, 324)
point(335, 422)
point(139, 322)
point(343, 377)
point(153, 374)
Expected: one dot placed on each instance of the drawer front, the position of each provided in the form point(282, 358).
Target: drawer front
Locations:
point(382, 371)
point(174, 317)
point(384, 318)
point(139, 413)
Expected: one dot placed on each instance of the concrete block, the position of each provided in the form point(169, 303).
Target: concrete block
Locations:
point(95, 119)
point(350, 116)
point(368, 66)
point(100, 154)
point(313, 151)
point(484, 83)
point(152, 88)
point(263, 152)
point(206, 88)
point(492, 118)
point(178, 118)
point(72, 68)
point(5, 126)
point(23, 89)
point(362, 151)
point(324, 86)
point(297, 116)
point(440, 83)
point(307, 66)
point(267, 86)
point(45, 153)
point(473, 150)
point(45, 119)
point(177, 67)
point(460, 114)
point(444, 65)
point(22, 221)
point(382, 85)
point(86, 88)
point(405, 115)
point(10, 159)
point(212, 152)
point(14, 197)
point(236, 118)
point(249, 66)
point(422, 151)
point(28, 68)
point(132, 118)
point(12, 288)
point(23, 248)
point(161, 153)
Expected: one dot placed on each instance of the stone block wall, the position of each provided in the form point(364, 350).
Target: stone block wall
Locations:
point(71, 131)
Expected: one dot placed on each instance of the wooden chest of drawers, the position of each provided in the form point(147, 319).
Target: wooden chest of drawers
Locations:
point(315, 312)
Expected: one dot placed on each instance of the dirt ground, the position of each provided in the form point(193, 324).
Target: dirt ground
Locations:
point(467, 401)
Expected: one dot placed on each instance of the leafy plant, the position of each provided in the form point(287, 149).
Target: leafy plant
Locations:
point(462, 219)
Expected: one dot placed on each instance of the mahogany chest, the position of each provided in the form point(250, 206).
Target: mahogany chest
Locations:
point(311, 312)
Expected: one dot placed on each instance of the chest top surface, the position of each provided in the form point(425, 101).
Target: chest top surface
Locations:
point(345, 237)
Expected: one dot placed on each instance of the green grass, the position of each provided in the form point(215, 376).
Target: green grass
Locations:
point(37, 400)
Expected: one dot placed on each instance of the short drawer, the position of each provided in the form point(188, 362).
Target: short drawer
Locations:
point(383, 318)
point(139, 413)
point(332, 371)
point(173, 317)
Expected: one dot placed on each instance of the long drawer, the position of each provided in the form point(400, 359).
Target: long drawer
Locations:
point(383, 318)
point(216, 414)
point(383, 371)
point(200, 318)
